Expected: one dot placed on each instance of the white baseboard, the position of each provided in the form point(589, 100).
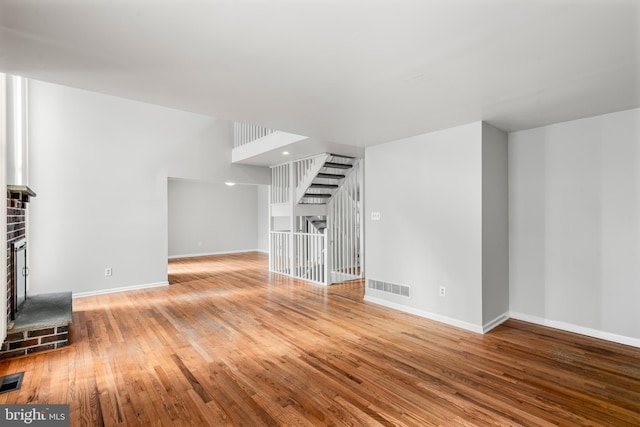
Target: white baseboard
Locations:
point(122, 289)
point(213, 253)
point(569, 327)
point(432, 316)
point(495, 322)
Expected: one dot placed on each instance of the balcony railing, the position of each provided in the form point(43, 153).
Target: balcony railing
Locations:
point(244, 133)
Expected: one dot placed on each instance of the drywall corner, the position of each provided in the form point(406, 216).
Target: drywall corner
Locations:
point(495, 223)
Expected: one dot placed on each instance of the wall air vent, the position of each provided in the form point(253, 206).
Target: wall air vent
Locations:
point(392, 288)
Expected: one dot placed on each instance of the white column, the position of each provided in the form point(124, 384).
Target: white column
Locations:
point(327, 253)
point(292, 218)
point(270, 229)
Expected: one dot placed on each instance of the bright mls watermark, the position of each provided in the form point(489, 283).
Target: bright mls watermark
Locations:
point(34, 415)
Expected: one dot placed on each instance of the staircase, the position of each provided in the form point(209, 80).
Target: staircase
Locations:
point(318, 200)
point(317, 222)
point(327, 179)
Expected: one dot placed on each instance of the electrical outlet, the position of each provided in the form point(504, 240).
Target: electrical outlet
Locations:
point(108, 271)
point(443, 291)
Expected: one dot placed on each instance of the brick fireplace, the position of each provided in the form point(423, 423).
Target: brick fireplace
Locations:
point(41, 323)
point(17, 199)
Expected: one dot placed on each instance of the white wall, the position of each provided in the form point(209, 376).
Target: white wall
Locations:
point(16, 130)
point(210, 218)
point(495, 229)
point(574, 209)
point(99, 165)
point(263, 218)
point(428, 190)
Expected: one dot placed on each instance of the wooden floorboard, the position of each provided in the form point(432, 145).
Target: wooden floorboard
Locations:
point(228, 343)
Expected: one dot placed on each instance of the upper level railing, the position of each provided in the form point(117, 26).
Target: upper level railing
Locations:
point(245, 133)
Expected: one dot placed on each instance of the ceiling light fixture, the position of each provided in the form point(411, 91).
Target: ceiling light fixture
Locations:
point(230, 184)
point(285, 153)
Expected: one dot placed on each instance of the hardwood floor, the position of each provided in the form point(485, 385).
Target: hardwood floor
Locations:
point(229, 344)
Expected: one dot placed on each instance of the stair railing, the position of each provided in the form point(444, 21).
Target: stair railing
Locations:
point(345, 238)
point(280, 184)
point(280, 252)
point(337, 251)
point(310, 261)
point(307, 169)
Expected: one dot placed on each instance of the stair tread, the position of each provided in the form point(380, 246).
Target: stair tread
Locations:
point(330, 176)
point(341, 156)
point(324, 186)
point(337, 165)
point(321, 195)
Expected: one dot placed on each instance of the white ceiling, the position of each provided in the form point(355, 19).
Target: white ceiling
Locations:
point(346, 71)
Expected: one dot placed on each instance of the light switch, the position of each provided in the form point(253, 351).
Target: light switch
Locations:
point(375, 216)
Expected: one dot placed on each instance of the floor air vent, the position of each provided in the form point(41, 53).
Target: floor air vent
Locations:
point(391, 288)
point(11, 382)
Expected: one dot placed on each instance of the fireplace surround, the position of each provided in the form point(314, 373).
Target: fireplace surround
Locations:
point(17, 199)
point(19, 272)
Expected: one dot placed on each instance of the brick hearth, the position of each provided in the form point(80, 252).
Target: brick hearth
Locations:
point(41, 325)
